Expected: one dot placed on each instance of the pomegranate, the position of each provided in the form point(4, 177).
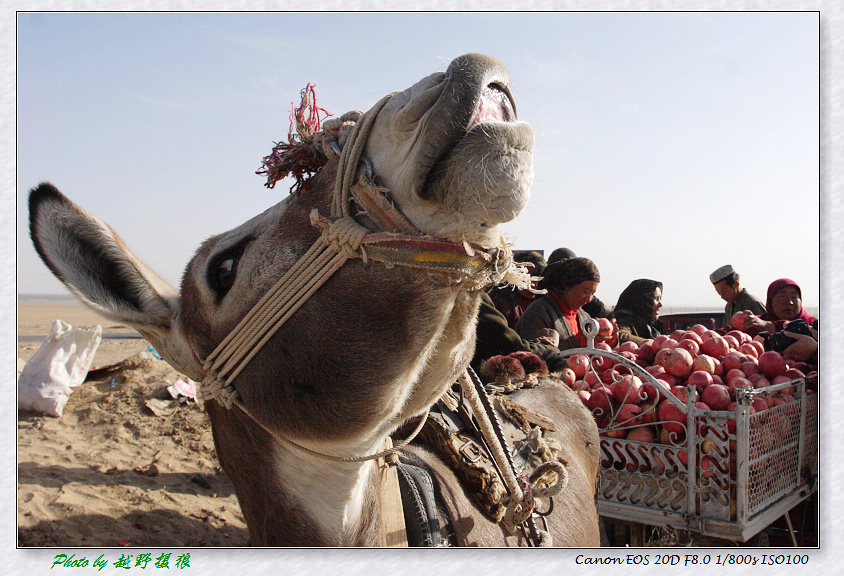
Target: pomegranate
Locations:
point(717, 396)
point(749, 368)
point(731, 341)
point(700, 378)
point(667, 378)
point(591, 379)
point(673, 419)
point(681, 392)
point(748, 349)
point(690, 345)
point(629, 412)
point(782, 380)
point(709, 334)
point(610, 375)
point(760, 404)
point(641, 435)
point(741, 337)
point(772, 364)
point(759, 381)
point(705, 363)
point(660, 341)
point(648, 414)
point(739, 320)
point(568, 377)
point(794, 374)
point(659, 358)
point(605, 327)
point(678, 362)
point(699, 329)
point(627, 389)
point(627, 354)
point(737, 383)
point(600, 403)
point(731, 362)
point(628, 346)
point(649, 392)
point(734, 373)
point(674, 438)
point(646, 352)
point(715, 346)
point(692, 335)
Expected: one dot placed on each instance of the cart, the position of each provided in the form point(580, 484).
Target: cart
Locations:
point(723, 474)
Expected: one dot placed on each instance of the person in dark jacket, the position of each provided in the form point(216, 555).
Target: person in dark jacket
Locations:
point(595, 308)
point(570, 284)
point(637, 311)
point(495, 337)
point(726, 282)
point(511, 301)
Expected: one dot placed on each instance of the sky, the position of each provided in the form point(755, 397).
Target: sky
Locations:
point(667, 143)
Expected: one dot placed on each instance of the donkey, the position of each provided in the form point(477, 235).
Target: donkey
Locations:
point(377, 343)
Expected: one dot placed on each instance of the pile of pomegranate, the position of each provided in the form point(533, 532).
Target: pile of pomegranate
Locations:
point(717, 365)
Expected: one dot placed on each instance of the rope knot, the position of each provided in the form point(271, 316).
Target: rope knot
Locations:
point(213, 387)
point(344, 235)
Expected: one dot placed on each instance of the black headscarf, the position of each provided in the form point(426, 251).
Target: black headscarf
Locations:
point(638, 300)
point(560, 254)
point(530, 256)
point(569, 272)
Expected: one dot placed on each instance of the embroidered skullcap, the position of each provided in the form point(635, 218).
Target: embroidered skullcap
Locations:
point(721, 273)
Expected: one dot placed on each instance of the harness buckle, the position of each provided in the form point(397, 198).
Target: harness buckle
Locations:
point(471, 451)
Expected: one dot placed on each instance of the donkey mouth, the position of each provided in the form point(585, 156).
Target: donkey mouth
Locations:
point(494, 105)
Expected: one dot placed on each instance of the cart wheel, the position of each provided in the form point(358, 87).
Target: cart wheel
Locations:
point(759, 541)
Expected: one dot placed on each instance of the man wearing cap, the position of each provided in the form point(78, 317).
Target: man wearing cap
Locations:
point(726, 282)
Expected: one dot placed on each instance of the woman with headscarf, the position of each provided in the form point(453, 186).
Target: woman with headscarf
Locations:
point(784, 304)
point(637, 311)
point(570, 284)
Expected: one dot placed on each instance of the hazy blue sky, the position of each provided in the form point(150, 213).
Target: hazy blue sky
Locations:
point(667, 144)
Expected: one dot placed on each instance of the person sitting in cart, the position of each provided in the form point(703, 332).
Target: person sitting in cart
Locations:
point(783, 306)
point(595, 308)
point(570, 284)
point(511, 301)
point(494, 336)
point(726, 282)
point(637, 311)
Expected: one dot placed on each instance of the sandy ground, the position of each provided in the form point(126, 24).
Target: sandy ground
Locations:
point(109, 471)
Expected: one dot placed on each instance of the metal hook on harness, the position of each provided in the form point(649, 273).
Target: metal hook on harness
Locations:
point(370, 171)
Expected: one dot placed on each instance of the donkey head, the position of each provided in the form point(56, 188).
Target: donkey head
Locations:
point(457, 164)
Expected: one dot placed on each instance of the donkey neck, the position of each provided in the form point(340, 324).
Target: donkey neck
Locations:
point(339, 497)
point(290, 498)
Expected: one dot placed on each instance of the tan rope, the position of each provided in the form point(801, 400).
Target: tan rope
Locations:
point(522, 494)
point(341, 241)
point(322, 455)
point(311, 270)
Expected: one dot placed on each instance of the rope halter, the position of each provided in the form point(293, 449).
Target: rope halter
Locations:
point(342, 237)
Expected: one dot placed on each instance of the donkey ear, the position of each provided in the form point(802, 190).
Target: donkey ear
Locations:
point(95, 264)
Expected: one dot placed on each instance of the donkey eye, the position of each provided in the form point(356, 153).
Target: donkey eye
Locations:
point(222, 272)
point(225, 274)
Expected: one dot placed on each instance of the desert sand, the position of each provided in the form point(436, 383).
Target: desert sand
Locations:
point(110, 472)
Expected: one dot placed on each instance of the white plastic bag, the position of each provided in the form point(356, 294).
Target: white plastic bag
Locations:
point(58, 366)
